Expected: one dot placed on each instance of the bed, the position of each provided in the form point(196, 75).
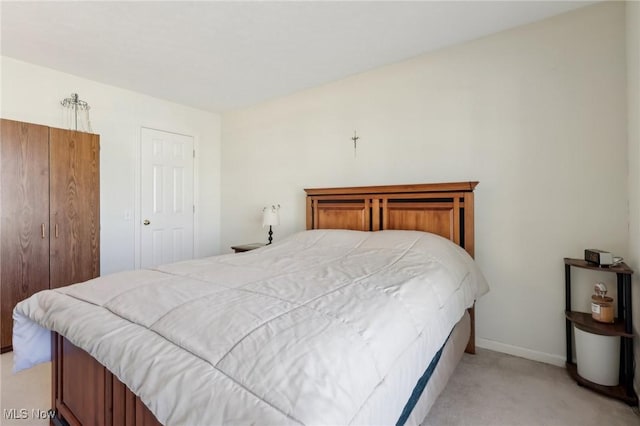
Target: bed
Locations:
point(336, 324)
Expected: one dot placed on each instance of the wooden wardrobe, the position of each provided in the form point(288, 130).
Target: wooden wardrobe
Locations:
point(50, 228)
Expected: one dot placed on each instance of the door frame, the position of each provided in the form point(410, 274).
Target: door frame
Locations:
point(137, 216)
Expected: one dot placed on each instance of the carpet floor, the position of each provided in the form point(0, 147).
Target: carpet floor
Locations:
point(487, 389)
point(494, 389)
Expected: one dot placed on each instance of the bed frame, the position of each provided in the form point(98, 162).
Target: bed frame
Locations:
point(85, 393)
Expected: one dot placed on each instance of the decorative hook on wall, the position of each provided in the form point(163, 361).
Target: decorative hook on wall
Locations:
point(72, 105)
point(355, 143)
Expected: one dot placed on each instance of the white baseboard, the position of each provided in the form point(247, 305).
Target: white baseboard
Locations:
point(556, 360)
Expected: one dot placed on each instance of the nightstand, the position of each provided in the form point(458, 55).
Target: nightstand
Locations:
point(247, 247)
point(622, 327)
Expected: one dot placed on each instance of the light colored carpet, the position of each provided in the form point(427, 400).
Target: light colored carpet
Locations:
point(25, 397)
point(494, 389)
point(489, 388)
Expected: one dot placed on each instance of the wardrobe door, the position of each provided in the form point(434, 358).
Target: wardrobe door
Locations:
point(74, 206)
point(24, 258)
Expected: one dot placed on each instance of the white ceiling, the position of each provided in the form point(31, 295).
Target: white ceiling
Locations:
point(225, 55)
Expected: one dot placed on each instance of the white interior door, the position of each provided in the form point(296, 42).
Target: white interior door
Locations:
point(167, 207)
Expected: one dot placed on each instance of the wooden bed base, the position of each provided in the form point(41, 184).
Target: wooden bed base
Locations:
point(85, 393)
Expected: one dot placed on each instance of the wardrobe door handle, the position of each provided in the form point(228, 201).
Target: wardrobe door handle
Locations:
point(56, 230)
point(42, 231)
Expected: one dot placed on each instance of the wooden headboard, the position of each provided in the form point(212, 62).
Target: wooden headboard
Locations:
point(445, 209)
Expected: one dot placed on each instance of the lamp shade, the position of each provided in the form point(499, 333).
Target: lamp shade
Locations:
point(271, 216)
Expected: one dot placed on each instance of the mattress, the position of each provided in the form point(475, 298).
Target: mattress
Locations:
point(324, 327)
point(452, 352)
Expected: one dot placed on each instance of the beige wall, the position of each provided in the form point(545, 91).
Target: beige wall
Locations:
point(633, 87)
point(536, 114)
point(33, 94)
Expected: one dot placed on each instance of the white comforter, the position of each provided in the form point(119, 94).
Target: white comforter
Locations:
point(320, 328)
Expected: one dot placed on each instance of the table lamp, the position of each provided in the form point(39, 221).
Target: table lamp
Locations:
point(271, 217)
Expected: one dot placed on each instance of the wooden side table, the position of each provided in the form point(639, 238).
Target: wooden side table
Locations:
point(246, 247)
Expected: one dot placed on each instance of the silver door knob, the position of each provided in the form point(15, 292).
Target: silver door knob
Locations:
point(147, 222)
